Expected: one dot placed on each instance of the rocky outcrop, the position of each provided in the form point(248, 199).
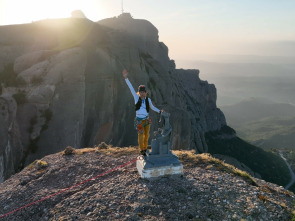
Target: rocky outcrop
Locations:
point(10, 142)
point(80, 186)
point(68, 88)
point(78, 14)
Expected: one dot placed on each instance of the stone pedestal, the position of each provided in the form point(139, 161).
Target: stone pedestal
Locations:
point(151, 168)
point(160, 161)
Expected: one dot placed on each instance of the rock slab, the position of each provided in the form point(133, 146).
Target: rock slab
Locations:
point(159, 167)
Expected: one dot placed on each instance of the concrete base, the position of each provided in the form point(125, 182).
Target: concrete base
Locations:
point(162, 166)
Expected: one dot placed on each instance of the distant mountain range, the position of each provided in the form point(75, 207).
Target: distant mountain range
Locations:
point(262, 122)
point(235, 58)
point(246, 77)
point(273, 132)
point(254, 109)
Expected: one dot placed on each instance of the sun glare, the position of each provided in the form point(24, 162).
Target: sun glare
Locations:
point(19, 11)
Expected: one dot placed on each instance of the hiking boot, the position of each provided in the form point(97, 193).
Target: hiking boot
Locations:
point(143, 152)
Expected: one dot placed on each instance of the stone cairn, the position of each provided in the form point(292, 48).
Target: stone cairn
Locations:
point(160, 161)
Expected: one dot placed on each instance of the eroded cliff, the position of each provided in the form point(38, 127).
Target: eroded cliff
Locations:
point(66, 88)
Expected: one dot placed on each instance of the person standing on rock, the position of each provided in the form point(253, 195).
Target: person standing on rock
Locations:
point(142, 106)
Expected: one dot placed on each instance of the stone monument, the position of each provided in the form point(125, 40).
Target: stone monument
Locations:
point(160, 161)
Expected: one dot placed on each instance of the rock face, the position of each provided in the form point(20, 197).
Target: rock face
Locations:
point(66, 88)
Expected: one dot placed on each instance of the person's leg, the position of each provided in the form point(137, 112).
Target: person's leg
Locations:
point(140, 132)
point(146, 135)
point(140, 141)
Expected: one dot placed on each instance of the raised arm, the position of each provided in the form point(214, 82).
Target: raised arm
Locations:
point(134, 94)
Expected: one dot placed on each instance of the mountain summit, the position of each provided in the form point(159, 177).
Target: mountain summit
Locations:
point(208, 190)
point(61, 85)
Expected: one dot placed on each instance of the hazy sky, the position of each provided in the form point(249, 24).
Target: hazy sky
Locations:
point(188, 27)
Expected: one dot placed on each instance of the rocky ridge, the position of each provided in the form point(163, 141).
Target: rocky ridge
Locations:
point(61, 85)
point(208, 190)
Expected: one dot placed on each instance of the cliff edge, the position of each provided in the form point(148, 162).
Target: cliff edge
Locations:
point(208, 190)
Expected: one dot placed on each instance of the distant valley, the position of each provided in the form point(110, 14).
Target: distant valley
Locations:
point(257, 96)
point(263, 123)
point(267, 77)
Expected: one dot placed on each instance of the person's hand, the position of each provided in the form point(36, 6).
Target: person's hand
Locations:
point(125, 73)
point(161, 111)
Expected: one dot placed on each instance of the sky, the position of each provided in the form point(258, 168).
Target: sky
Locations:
point(190, 28)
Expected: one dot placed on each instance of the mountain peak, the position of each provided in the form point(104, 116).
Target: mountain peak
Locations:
point(208, 189)
point(78, 14)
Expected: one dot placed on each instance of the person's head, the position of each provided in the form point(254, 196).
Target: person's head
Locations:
point(142, 91)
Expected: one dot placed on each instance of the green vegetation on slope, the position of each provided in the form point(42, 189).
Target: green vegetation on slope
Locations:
point(292, 188)
point(270, 166)
point(271, 132)
point(289, 155)
point(263, 123)
point(254, 109)
point(9, 78)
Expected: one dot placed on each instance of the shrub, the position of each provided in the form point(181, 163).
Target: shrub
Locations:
point(9, 77)
point(38, 164)
point(33, 121)
point(69, 150)
point(47, 114)
point(20, 98)
point(44, 127)
point(102, 145)
point(33, 147)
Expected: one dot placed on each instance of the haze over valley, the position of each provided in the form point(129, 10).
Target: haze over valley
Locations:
point(241, 77)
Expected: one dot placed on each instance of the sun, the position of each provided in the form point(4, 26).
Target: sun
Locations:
point(19, 11)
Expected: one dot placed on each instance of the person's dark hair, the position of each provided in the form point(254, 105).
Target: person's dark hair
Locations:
point(141, 88)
